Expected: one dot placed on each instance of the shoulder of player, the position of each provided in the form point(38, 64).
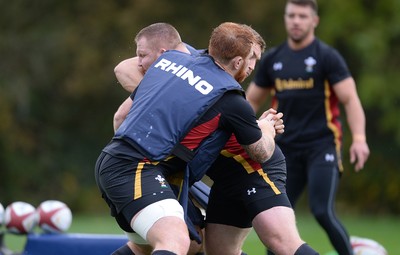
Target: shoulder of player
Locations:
point(233, 102)
point(233, 95)
point(230, 99)
point(195, 51)
point(325, 49)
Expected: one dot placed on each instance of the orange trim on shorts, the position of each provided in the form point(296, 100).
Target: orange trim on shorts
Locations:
point(238, 158)
point(250, 170)
point(267, 180)
point(138, 181)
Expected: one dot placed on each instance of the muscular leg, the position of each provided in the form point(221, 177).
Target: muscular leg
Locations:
point(131, 248)
point(276, 228)
point(295, 184)
point(224, 239)
point(162, 225)
point(161, 237)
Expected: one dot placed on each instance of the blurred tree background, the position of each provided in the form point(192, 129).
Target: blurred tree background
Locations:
point(58, 91)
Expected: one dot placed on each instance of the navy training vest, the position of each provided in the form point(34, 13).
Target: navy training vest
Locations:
point(175, 92)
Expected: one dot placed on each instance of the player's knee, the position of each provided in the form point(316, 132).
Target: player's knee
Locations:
point(283, 241)
point(152, 213)
point(274, 242)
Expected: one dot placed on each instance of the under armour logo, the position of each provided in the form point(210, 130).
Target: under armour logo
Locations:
point(329, 157)
point(277, 66)
point(249, 191)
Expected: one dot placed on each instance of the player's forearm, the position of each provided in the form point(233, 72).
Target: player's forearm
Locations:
point(121, 113)
point(356, 120)
point(261, 150)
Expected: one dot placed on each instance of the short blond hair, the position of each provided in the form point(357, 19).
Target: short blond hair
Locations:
point(160, 35)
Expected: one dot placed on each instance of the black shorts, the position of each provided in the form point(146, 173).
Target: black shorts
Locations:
point(128, 186)
point(238, 196)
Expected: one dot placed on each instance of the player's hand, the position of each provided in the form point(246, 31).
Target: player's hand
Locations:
point(267, 112)
point(272, 115)
point(279, 126)
point(267, 125)
point(359, 153)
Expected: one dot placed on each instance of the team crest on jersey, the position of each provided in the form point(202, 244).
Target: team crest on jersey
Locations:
point(161, 180)
point(310, 63)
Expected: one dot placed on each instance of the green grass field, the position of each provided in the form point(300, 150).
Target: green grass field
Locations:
point(383, 229)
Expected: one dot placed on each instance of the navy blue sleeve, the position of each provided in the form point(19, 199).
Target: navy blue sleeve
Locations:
point(335, 67)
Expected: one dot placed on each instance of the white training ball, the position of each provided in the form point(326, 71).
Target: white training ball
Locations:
point(1, 214)
point(54, 216)
point(20, 217)
point(365, 246)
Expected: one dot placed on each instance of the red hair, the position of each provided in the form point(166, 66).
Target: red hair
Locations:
point(230, 40)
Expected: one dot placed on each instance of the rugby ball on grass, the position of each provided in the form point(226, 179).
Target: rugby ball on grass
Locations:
point(54, 216)
point(1, 215)
point(20, 217)
point(365, 246)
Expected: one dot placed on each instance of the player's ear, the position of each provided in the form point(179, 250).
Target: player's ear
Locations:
point(237, 62)
point(162, 50)
point(315, 21)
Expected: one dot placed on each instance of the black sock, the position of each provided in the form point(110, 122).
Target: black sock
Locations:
point(123, 250)
point(304, 249)
point(163, 252)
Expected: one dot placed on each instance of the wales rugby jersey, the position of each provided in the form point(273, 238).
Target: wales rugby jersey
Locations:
point(302, 83)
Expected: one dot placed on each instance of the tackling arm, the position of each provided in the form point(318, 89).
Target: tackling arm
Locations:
point(128, 74)
point(121, 113)
point(263, 149)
